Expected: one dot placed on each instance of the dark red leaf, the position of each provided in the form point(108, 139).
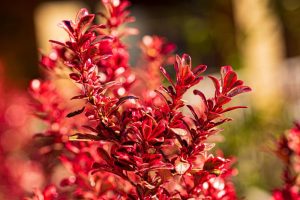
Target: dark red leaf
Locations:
point(84, 137)
point(225, 70)
point(193, 112)
point(83, 12)
point(67, 25)
point(75, 76)
point(78, 97)
point(212, 115)
point(199, 69)
point(77, 112)
point(167, 76)
point(237, 83)
point(229, 80)
point(214, 163)
point(216, 83)
point(104, 155)
point(57, 42)
point(222, 99)
point(210, 104)
point(124, 165)
point(232, 108)
point(203, 98)
point(85, 22)
point(239, 90)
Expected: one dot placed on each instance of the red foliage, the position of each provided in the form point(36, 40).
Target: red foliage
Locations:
point(288, 149)
point(125, 144)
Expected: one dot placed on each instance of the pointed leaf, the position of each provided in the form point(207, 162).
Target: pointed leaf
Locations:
point(85, 22)
point(104, 155)
point(229, 80)
point(57, 42)
point(233, 108)
point(78, 97)
point(239, 90)
point(77, 112)
point(238, 83)
point(193, 112)
point(166, 75)
point(83, 12)
point(213, 115)
point(225, 70)
point(222, 99)
point(84, 137)
point(216, 83)
point(67, 26)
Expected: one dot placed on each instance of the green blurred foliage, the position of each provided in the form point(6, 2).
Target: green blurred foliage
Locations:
point(251, 139)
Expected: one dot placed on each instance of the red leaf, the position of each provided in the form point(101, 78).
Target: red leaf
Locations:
point(104, 155)
point(229, 80)
point(199, 93)
point(85, 22)
point(83, 12)
point(237, 83)
point(216, 83)
point(67, 26)
point(193, 112)
point(239, 90)
point(77, 112)
point(84, 137)
point(78, 97)
point(167, 76)
point(75, 76)
point(212, 115)
point(232, 108)
point(225, 70)
point(222, 99)
point(214, 163)
point(199, 69)
point(57, 42)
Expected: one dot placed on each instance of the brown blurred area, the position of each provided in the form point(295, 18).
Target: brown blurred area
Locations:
point(191, 24)
point(205, 29)
point(17, 39)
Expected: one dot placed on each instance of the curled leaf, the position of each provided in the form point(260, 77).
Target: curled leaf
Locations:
point(216, 83)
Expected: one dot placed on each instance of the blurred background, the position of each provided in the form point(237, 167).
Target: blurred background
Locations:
point(259, 38)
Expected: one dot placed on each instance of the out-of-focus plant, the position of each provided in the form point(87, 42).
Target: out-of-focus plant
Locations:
point(18, 173)
point(288, 150)
point(128, 138)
